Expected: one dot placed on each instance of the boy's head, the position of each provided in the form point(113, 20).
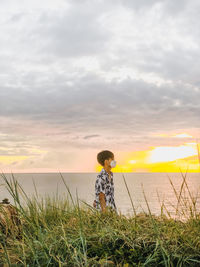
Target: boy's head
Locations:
point(105, 158)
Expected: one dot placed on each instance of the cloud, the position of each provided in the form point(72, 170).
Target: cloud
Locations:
point(91, 136)
point(93, 101)
point(168, 6)
point(74, 33)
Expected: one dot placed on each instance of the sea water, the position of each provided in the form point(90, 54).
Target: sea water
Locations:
point(147, 190)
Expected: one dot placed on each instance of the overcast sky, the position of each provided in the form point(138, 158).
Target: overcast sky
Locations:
point(79, 76)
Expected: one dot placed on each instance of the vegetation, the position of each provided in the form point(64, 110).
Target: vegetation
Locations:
point(65, 232)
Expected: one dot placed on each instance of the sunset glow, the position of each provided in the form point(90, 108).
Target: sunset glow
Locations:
point(160, 159)
point(165, 154)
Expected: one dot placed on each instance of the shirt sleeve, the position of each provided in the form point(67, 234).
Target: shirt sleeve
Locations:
point(100, 185)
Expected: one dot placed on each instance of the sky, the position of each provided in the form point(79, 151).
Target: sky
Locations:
point(81, 76)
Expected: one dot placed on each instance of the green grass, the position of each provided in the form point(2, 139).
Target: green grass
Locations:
point(68, 232)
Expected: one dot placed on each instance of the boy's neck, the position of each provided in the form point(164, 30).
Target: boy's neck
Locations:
point(107, 169)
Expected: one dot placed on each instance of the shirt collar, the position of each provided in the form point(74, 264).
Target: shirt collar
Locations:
point(104, 171)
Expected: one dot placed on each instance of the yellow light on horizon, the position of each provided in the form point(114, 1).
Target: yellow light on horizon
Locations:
point(159, 159)
point(166, 154)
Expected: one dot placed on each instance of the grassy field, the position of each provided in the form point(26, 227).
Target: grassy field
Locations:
point(68, 232)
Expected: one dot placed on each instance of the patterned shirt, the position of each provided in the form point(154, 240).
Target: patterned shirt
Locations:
point(105, 185)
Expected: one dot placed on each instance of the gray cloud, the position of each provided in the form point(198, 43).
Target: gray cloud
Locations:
point(94, 102)
point(76, 32)
point(91, 136)
point(170, 7)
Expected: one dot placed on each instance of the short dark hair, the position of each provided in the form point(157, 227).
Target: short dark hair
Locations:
point(103, 155)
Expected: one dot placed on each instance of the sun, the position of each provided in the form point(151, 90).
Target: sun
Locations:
point(169, 153)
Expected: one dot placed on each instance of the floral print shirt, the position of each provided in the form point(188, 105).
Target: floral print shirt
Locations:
point(105, 185)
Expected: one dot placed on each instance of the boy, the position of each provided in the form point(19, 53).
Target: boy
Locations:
point(104, 186)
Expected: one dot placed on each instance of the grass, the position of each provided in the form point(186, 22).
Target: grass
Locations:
point(69, 232)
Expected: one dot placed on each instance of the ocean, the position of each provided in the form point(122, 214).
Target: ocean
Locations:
point(155, 187)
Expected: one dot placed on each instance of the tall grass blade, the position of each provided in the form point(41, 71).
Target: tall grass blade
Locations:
point(198, 151)
point(6, 253)
point(36, 192)
point(156, 229)
point(82, 237)
point(181, 189)
point(133, 207)
point(67, 189)
point(162, 205)
point(129, 195)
